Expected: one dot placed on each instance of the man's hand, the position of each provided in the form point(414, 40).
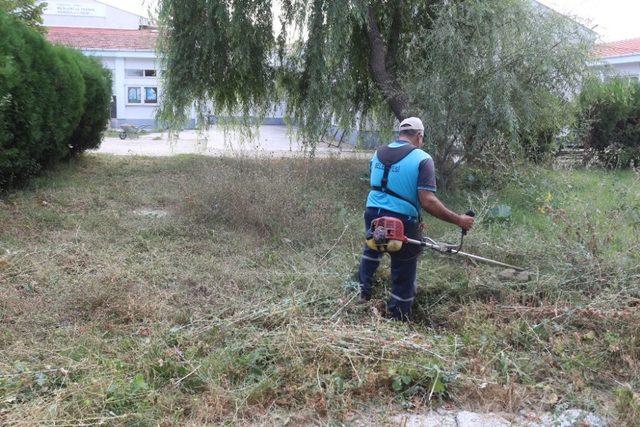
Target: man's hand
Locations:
point(466, 222)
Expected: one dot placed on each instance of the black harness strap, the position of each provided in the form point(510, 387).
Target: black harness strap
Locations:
point(385, 180)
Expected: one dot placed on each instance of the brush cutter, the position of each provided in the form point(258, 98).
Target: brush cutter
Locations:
point(386, 234)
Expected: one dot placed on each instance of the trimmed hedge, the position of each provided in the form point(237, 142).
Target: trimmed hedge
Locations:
point(54, 102)
point(97, 98)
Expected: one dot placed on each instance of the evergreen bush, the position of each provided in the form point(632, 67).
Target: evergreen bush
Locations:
point(19, 122)
point(66, 106)
point(97, 98)
point(53, 102)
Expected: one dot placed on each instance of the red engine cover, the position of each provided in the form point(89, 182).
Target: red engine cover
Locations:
point(393, 227)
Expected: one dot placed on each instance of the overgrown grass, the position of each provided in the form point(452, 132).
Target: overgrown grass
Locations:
point(236, 306)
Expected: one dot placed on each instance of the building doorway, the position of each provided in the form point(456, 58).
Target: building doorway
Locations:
point(113, 107)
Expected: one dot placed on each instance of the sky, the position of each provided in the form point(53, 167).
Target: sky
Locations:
point(612, 19)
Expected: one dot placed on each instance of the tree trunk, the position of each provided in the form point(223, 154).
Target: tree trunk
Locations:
point(382, 68)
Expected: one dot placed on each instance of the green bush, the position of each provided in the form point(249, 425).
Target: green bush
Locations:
point(611, 111)
point(19, 125)
point(49, 97)
point(67, 104)
point(97, 98)
point(540, 139)
point(538, 145)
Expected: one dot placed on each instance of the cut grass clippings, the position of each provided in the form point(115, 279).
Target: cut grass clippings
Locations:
point(234, 304)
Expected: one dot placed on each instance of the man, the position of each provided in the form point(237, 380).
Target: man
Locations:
point(402, 181)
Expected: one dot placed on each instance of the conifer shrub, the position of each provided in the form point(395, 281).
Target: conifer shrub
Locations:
point(20, 119)
point(97, 97)
point(67, 103)
point(53, 102)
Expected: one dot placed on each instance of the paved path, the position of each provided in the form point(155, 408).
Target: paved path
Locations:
point(269, 141)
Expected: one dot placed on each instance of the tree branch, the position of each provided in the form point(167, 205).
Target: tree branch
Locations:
point(385, 79)
point(394, 38)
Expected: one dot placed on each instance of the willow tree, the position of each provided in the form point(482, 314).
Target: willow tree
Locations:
point(329, 58)
point(357, 61)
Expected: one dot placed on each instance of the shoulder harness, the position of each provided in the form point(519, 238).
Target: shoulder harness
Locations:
point(385, 179)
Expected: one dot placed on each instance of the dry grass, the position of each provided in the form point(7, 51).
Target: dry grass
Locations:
point(235, 307)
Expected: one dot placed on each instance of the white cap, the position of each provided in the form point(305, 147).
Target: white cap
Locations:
point(411, 123)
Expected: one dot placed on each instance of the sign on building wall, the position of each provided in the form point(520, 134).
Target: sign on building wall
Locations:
point(76, 9)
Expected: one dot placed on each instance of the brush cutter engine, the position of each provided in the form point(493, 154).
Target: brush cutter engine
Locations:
point(386, 234)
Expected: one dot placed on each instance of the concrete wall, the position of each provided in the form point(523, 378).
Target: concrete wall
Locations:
point(89, 14)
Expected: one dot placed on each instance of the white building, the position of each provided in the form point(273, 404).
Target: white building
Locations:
point(621, 58)
point(126, 45)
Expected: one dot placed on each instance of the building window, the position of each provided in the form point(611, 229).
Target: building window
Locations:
point(142, 95)
point(130, 72)
point(134, 73)
point(134, 95)
point(150, 95)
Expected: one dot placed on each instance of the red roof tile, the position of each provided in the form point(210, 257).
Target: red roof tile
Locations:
point(103, 38)
point(619, 48)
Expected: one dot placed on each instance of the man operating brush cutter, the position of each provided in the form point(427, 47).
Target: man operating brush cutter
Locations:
point(402, 182)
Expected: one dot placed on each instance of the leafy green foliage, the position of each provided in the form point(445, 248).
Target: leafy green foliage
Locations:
point(493, 71)
point(422, 377)
point(66, 103)
point(26, 11)
point(476, 71)
point(43, 107)
point(612, 112)
point(319, 64)
point(221, 50)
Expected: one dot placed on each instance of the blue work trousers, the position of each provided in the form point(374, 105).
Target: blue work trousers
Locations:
point(403, 265)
